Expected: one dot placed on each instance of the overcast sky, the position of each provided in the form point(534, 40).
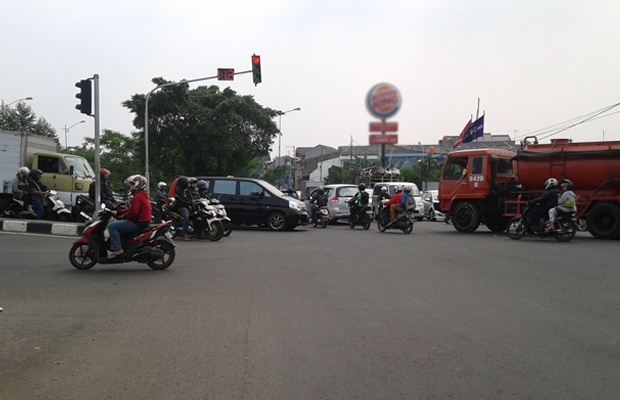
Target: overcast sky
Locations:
point(533, 64)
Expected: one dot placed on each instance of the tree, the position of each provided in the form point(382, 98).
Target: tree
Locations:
point(21, 118)
point(204, 131)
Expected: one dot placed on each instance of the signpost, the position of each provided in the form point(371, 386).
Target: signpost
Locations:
point(383, 101)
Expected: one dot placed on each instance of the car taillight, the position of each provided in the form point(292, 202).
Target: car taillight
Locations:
point(334, 199)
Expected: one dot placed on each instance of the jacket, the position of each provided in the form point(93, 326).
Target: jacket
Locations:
point(139, 210)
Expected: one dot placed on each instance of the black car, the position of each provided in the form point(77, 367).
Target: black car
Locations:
point(256, 202)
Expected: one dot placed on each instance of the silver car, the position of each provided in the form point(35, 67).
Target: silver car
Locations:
point(337, 197)
point(431, 206)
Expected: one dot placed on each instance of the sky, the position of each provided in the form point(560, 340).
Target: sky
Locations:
point(528, 64)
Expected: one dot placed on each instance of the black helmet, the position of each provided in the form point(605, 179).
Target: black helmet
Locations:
point(35, 174)
point(320, 190)
point(203, 185)
point(361, 187)
point(182, 181)
point(568, 183)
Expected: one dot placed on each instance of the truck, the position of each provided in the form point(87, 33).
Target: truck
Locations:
point(491, 185)
point(70, 175)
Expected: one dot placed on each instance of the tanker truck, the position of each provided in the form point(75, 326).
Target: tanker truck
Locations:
point(70, 175)
point(492, 185)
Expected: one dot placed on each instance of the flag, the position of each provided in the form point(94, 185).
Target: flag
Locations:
point(471, 131)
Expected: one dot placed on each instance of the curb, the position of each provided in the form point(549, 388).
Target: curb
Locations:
point(44, 227)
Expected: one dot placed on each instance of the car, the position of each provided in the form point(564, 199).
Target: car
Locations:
point(391, 186)
point(337, 197)
point(431, 206)
point(255, 202)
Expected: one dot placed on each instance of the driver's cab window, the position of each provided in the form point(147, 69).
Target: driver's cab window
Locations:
point(251, 189)
point(455, 169)
point(51, 165)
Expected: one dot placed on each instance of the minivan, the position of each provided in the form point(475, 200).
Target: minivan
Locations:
point(391, 186)
point(255, 202)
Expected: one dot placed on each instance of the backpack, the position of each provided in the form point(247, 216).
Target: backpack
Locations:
point(363, 201)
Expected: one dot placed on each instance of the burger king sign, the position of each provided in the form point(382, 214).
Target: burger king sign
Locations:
point(383, 100)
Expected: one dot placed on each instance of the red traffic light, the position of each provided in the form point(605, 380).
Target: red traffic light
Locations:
point(256, 60)
point(256, 73)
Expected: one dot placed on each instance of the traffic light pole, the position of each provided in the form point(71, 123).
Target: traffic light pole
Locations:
point(97, 147)
point(146, 119)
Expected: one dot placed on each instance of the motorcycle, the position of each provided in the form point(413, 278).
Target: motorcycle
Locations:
point(203, 221)
point(83, 209)
point(152, 245)
point(220, 211)
point(564, 227)
point(321, 217)
point(361, 218)
point(14, 208)
point(404, 220)
point(55, 208)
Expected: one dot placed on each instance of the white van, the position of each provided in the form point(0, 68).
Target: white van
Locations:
point(391, 186)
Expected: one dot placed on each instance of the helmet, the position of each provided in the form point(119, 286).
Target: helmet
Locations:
point(397, 188)
point(568, 183)
point(192, 180)
point(407, 189)
point(361, 187)
point(138, 181)
point(551, 183)
point(203, 185)
point(161, 185)
point(103, 173)
point(35, 174)
point(320, 190)
point(383, 189)
point(182, 181)
point(23, 173)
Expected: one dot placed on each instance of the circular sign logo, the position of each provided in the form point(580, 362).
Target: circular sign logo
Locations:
point(383, 100)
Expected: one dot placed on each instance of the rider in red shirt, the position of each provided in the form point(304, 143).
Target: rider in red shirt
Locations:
point(393, 202)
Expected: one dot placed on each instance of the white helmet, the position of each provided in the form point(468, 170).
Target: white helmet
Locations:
point(161, 185)
point(407, 189)
point(383, 189)
point(139, 182)
point(397, 188)
point(23, 173)
point(551, 183)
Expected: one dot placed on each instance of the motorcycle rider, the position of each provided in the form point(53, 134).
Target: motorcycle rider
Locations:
point(317, 200)
point(107, 196)
point(566, 203)
point(132, 219)
point(394, 202)
point(203, 189)
point(37, 192)
point(541, 205)
point(358, 202)
point(183, 203)
point(19, 186)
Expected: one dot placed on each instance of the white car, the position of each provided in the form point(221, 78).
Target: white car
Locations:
point(431, 206)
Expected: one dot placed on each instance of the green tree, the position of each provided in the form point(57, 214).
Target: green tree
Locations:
point(204, 131)
point(21, 118)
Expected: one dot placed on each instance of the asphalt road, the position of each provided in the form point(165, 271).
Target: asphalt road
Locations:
point(316, 314)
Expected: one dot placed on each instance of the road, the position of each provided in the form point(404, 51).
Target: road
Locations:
point(316, 314)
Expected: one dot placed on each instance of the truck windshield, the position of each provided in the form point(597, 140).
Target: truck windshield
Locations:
point(81, 167)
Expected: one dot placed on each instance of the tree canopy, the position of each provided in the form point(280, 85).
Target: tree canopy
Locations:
point(203, 131)
point(21, 118)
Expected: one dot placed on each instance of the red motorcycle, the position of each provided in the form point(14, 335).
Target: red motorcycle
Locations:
point(152, 245)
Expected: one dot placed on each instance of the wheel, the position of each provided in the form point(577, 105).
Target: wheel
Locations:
point(466, 217)
point(431, 215)
point(65, 217)
point(82, 256)
point(323, 222)
point(515, 228)
point(419, 219)
point(351, 224)
point(496, 224)
point(409, 228)
point(380, 225)
point(276, 221)
point(169, 254)
point(604, 221)
point(214, 233)
point(228, 228)
point(366, 223)
point(565, 231)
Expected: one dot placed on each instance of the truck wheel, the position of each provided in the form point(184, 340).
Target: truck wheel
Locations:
point(603, 221)
point(466, 217)
point(497, 224)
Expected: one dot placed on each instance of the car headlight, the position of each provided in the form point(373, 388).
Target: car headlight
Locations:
point(295, 206)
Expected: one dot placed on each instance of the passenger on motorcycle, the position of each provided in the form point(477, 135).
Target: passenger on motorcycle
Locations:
point(107, 196)
point(317, 200)
point(566, 203)
point(358, 202)
point(395, 202)
point(541, 205)
point(203, 189)
point(19, 185)
point(183, 203)
point(37, 192)
point(162, 189)
point(132, 219)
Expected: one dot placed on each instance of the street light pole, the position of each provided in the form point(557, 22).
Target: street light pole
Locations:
point(280, 114)
point(16, 101)
point(67, 130)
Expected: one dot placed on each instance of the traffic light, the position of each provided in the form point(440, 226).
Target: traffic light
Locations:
point(256, 75)
point(85, 96)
